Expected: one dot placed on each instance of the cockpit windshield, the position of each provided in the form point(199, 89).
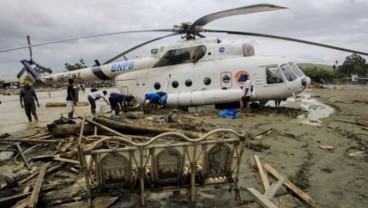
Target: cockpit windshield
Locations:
point(296, 69)
point(181, 56)
point(289, 74)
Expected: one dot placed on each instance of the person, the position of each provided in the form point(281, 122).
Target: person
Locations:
point(278, 102)
point(71, 99)
point(155, 99)
point(28, 96)
point(247, 89)
point(93, 96)
point(117, 99)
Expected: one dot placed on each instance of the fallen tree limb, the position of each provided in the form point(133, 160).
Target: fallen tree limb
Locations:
point(143, 129)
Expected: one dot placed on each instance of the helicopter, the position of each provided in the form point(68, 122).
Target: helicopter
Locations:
point(198, 70)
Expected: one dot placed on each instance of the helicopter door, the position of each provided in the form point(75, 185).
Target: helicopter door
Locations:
point(128, 86)
point(226, 81)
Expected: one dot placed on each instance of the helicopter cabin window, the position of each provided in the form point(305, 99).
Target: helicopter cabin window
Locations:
point(226, 78)
point(188, 82)
point(181, 56)
point(289, 74)
point(273, 75)
point(296, 69)
point(175, 84)
point(207, 81)
point(157, 86)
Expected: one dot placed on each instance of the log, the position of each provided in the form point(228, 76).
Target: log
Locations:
point(129, 128)
point(30, 141)
point(37, 187)
point(63, 104)
point(291, 186)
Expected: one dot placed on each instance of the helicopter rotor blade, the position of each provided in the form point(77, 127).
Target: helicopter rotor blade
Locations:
point(43, 69)
point(137, 46)
point(287, 39)
point(30, 48)
point(19, 75)
point(84, 37)
point(232, 12)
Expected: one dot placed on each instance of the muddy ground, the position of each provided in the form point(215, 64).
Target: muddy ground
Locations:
point(334, 178)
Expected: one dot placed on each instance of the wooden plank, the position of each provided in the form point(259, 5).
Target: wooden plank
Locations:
point(265, 181)
point(262, 200)
point(58, 158)
point(272, 191)
point(55, 166)
point(37, 187)
point(291, 186)
point(23, 156)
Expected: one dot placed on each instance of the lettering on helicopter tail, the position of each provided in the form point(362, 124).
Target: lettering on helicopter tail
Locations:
point(99, 73)
point(221, 49)
point(240, 78)
point(122, 66)
point(72, 75)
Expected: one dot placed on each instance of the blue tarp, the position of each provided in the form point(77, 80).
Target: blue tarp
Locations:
point(229, 113)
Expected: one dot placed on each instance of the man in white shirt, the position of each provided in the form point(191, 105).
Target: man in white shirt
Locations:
point(247, 89)
point(93, 96)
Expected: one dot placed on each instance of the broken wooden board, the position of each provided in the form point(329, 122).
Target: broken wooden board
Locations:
point(291, 186)
point(37, 187)
point(265, 181)
point(261, 199)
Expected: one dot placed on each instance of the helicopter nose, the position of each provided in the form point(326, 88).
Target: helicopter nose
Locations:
point(306, 81)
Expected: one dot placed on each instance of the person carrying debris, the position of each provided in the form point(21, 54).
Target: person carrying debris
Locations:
point(247, 89)
point(117, 99)
point(28, 96)
point(71, 99)
point(93, 96)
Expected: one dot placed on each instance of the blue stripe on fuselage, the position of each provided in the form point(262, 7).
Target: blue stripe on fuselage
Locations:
point(122, 66)
point(99, 73)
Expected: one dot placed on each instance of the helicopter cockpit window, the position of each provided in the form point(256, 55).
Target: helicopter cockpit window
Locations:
point(273, 75)
point(289, 74)
point(181, 56)
point(296, 69)
point(198, 53)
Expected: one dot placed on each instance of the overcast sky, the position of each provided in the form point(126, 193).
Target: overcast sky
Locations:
point(342, 23)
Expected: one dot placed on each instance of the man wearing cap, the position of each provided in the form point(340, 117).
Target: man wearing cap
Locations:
point(28, 96)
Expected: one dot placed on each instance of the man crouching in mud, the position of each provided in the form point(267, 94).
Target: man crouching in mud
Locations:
point(28, 96)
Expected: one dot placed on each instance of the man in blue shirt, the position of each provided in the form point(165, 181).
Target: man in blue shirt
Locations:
point(117, 99)
point(155, 100)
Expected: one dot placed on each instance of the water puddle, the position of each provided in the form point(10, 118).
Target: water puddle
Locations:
point(316, 110)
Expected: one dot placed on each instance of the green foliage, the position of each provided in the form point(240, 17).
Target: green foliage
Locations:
point(317, 74)
point(353, 64)
point(78, 65)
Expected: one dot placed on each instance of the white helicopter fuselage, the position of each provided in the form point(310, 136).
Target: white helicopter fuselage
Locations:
point(199, 72)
